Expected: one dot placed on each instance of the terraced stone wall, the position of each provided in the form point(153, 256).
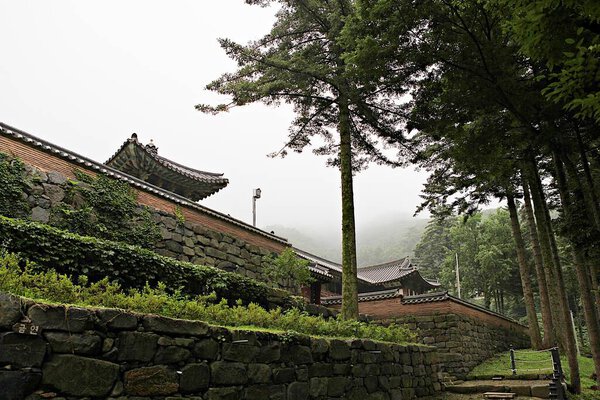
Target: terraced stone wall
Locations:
point(75, 353)
point(185, 241)
point(465, 341)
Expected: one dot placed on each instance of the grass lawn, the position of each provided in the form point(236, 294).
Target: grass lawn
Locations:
point(532, 362)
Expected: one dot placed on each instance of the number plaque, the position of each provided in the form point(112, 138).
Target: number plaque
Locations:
point(26, 328)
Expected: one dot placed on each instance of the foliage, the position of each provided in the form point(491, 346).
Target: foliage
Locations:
point(179, 217)
point(487, 258)
point(287, 267)
point(12, 185)
point(130, 266)
point(20, 278)
point(477, 75)
point(105, 208)
point(433, 247)
point(301, 62)
point(565, 37)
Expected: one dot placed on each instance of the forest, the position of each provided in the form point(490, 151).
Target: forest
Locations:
point(496, 99)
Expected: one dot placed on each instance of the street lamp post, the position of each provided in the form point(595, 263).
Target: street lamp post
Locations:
point(256, 195)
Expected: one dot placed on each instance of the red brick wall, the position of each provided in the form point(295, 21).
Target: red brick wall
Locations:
point(48, 162)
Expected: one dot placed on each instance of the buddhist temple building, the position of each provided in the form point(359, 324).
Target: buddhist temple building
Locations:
point(394, 279)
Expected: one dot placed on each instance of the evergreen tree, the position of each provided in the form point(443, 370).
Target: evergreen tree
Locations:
point(302, 62)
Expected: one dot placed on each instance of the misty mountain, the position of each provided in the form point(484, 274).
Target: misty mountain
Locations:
point(378, 241)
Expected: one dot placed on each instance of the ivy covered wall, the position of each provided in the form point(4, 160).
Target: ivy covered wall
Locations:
point(107, 208)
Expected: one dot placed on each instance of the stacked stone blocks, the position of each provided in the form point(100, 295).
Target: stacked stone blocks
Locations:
point(81, 353)
point(181, 240)
point(463, 342)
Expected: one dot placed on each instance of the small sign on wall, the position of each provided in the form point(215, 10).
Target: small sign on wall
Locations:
point(27, 328)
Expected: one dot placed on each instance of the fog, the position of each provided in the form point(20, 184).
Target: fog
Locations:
point(86, 74)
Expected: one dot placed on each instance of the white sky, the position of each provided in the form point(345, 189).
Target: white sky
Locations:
point(86, 74)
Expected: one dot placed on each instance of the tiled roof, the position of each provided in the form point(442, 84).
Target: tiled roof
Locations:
point(425, 298)
point(367, 296)
point(317, 265)
point(386, 272)
point(151, 150)
point(135, 158)
point(320, 271)
point(374, 274)
point(330, 265)
point(85, 162)
point(392, 271)
point(444, 296)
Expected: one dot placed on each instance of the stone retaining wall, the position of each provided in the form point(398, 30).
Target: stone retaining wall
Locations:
point(185, 241)
point(68, 352)
point(463, 342)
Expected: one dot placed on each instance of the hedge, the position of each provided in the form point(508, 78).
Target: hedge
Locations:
point(130, 266)
point(17, 278)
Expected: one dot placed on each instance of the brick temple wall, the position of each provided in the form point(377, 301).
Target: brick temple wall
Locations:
point(53, 163)
point(201, 239)
point(78, 353)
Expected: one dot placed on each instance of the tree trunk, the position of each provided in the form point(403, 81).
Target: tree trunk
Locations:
point(554, 276)
point(534, 329)
point(591, 192)
point(592, 198)
point(572, 215)
point(349, 267)
point(549, 336)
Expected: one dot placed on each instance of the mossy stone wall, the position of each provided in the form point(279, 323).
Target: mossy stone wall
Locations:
point(79, 353)
point(181, 240)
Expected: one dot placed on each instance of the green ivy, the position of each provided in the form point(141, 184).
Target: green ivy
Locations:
point(54, 287)
point(179, 217)
point(105, 208)
point(12, 187)
point(130, 266)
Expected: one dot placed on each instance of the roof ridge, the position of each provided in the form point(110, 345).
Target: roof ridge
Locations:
point(316, 256)
point(217, 174)
point(399, 261)
point(166, 162)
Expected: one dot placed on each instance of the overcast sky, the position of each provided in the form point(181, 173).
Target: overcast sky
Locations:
point(86, 74)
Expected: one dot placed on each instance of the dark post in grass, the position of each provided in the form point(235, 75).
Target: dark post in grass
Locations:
point(513, 365)
point(556, 387)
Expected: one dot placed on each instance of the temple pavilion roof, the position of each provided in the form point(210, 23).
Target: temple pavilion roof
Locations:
point(390, 274)
point(397, 271)
point(144, 162)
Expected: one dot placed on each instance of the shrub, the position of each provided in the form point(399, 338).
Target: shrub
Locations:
point(19, 278)
point(288, 268)
point(130, 266)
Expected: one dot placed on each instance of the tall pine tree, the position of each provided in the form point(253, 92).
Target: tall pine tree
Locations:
point(301, 62)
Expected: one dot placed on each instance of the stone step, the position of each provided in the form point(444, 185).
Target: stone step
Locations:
point(499, 395)
point(537, 389)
